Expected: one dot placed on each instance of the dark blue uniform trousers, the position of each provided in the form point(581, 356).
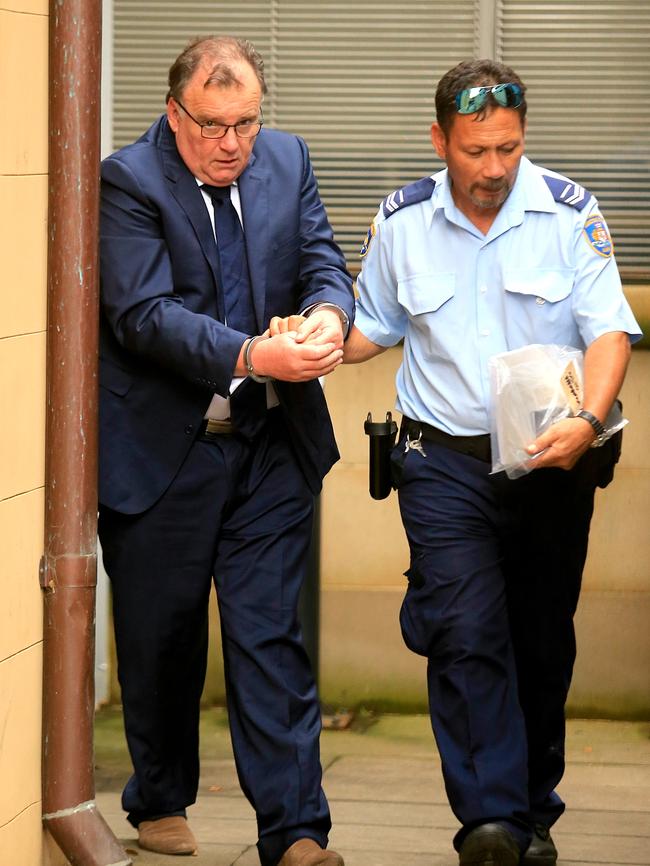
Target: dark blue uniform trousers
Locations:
point(494, 579)
point(241, 512)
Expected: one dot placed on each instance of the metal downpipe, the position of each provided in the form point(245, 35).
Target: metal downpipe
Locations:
point(69, 563)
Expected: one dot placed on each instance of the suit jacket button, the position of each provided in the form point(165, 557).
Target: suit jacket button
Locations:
point(189, 429)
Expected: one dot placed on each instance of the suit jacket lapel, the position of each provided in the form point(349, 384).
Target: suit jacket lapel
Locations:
point(186, 192)
point(254, 196)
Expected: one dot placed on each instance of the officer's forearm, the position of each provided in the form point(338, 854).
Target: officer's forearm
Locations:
point(358, 348)
point(606, 361)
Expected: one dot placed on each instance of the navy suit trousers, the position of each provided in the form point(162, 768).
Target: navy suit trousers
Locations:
point(494, 580)
point(238, 512)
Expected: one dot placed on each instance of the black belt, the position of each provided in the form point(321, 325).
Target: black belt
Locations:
point(474, 446)
point(211, 429)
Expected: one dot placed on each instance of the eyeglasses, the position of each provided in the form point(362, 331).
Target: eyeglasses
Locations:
point(244, 129)
point(474, 98)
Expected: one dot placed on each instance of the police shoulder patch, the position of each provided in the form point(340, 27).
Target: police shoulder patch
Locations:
point(366, 244)
point(565, 190)
point(419, 190)
point(598, 237)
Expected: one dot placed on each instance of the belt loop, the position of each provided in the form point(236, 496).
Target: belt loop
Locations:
point(410, 428)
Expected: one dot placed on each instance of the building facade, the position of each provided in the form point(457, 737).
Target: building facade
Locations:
point(358, 82)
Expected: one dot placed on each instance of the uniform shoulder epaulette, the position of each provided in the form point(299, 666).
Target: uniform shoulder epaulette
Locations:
point(412, 193)
point(566, 191)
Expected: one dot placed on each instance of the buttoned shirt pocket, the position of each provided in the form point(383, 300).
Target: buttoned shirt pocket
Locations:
point(539, 304)
point(425, 292)
point(542, 284)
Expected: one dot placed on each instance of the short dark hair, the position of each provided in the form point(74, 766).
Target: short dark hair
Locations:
point(220, 51)
point(474, 73)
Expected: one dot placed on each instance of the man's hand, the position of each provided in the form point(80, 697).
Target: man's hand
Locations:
point(279, 325)
point(283, 357)
point(562, 445)
point(321, 327)
point(566, 441)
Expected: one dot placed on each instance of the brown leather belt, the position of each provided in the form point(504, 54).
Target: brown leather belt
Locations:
point(473, 446)
point(210, 428)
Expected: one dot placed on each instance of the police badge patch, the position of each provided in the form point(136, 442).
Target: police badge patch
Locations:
point(366, 244)
point(598, 236)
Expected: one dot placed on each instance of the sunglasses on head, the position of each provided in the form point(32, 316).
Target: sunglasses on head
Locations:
point(474, 98)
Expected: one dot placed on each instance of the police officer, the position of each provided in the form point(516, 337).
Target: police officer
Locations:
point(491, 254)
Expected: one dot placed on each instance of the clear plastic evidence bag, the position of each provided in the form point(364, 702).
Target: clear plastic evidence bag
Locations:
point(532, 388)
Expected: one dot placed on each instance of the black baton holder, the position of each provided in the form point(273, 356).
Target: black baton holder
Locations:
point(382, 440)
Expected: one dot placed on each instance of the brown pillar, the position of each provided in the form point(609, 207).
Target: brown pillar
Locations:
point(68, 567)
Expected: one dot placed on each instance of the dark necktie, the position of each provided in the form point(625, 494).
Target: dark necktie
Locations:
point(248, 401)
point(235, 279)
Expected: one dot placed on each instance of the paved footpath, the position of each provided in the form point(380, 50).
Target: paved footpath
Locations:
point(382, 779)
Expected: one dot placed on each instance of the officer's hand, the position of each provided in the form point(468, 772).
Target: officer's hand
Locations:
point(280, 325)
point(322, 326)
point(562, 445)
point(282, 357)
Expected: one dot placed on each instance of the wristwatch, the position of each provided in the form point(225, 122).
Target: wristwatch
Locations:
point(595, 424)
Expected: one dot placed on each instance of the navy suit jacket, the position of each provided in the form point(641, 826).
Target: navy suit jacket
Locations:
point(164, 350)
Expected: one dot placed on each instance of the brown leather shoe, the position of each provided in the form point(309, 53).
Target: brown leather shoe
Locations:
point(167, 836)
point(306, 852)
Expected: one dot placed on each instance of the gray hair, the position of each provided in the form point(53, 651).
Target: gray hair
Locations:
point(220, 51)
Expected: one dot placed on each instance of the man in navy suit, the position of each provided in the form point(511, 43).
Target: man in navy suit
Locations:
point(214, 439)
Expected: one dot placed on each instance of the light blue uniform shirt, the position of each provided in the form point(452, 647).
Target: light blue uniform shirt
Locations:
point(457, 297)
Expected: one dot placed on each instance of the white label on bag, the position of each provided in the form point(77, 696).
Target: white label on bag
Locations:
point(572, 386)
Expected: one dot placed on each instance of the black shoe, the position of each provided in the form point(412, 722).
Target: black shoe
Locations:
point(489, 845)
point(542, 850)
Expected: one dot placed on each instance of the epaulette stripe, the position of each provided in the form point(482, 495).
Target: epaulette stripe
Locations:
point(567, 192)
point(413, 193)
point(394, 200)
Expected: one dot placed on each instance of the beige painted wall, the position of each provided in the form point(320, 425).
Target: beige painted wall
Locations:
point(23, 250)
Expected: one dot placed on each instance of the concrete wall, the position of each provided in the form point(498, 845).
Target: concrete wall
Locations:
point(23, 252)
